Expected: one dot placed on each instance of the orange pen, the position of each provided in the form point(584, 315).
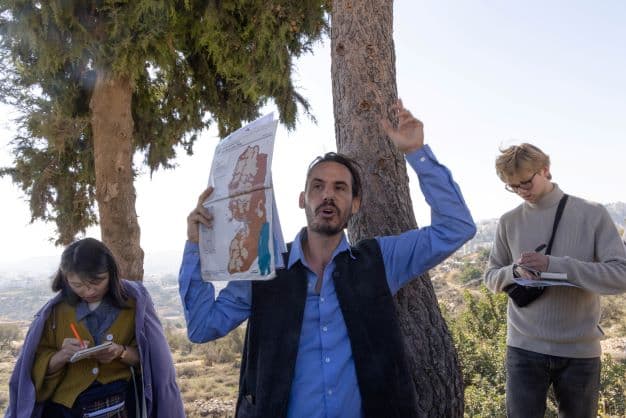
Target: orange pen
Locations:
point(77, 335)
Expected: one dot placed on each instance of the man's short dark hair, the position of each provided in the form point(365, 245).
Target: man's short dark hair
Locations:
point(345, 161)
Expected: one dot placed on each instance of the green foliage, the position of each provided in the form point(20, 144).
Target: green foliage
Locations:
point(614, 313)
point(177, 340)
point(474, 269)
point(191, 63)
point(471, 272)
point(227, 349)
point(480, 338)
point(479, 333)
point(483, 255)
point(612, 402)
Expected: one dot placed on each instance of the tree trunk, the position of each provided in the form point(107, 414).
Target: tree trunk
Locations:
point(364, 88)
point(112, 125)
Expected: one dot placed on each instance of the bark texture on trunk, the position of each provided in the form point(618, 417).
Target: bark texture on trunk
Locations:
point(364, 88)
point(112, 126)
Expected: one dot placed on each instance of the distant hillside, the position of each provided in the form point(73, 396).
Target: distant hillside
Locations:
point(486, 229)
point(160, 263)
point(617, 211)
point(155, 264)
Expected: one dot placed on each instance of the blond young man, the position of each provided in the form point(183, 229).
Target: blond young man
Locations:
point(555, 339)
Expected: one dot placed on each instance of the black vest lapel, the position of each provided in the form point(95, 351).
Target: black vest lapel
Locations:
point(386, 386)
point(272, 341)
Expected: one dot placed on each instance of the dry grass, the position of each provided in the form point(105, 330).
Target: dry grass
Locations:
point(208, 374)
point(7, 360)
point(208, 385)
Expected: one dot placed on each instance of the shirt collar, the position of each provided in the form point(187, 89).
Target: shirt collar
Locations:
point(82, 309)
point(297, 253)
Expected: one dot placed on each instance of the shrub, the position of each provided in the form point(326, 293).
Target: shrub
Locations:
point(224, 350)
point(479, 334)
point(177, 340)
point(471, 272)
point(612, 388)
point(8, 334)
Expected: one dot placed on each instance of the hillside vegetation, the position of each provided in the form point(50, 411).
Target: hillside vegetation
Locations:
point(208, 374)
point(477, 320)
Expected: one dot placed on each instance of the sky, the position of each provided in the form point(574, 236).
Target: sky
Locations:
point(481, 75)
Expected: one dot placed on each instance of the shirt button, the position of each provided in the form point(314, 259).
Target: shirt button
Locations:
point(330, 391)
point(324, 328)
point(322, 299)
point(95, 371)
point(422, 159)
point(327, 359)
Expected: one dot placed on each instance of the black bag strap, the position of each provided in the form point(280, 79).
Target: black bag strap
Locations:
point(557, 219)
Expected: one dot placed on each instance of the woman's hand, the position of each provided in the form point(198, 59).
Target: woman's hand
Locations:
point(115, 351)
point(62, 357)
point(109, 354)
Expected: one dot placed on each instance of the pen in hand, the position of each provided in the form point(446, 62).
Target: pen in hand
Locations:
point(529, 263)
point(77, 335)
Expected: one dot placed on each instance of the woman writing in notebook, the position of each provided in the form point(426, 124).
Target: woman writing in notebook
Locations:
point(94, 307)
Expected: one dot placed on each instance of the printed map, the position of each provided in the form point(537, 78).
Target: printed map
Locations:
point(246, 234)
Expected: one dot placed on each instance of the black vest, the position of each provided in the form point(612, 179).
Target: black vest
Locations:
point(273, 335)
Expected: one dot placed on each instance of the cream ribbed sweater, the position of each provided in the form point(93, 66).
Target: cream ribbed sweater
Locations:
point(587, 246)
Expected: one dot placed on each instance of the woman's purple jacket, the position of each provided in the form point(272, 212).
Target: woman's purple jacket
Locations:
point(162, 396)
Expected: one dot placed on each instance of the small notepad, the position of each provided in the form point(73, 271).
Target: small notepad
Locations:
point(86, 352)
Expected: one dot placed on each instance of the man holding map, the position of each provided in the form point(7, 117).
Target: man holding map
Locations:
point(553, 335)
point(323, 339)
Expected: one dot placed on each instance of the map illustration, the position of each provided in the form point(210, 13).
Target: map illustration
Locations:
point(252, 239)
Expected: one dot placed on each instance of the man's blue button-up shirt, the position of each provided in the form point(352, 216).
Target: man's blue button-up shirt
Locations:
point(325, 383)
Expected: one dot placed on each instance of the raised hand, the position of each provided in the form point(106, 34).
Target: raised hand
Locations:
point(409, 135)
point(199, 215)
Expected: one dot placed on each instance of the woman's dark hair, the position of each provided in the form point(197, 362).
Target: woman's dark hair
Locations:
point(88, 258)
point(345, 161)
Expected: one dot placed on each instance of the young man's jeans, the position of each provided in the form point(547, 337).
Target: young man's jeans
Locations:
point(576, 383)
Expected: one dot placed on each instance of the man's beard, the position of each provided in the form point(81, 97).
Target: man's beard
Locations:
point(326, 228)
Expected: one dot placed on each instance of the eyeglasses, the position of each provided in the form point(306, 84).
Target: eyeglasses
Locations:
point(524, 185)
point(79, 285)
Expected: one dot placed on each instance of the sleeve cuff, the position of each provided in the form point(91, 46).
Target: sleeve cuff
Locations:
point(192, 248)
point(421, 159)
point(557, 264)
point(510, 276)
